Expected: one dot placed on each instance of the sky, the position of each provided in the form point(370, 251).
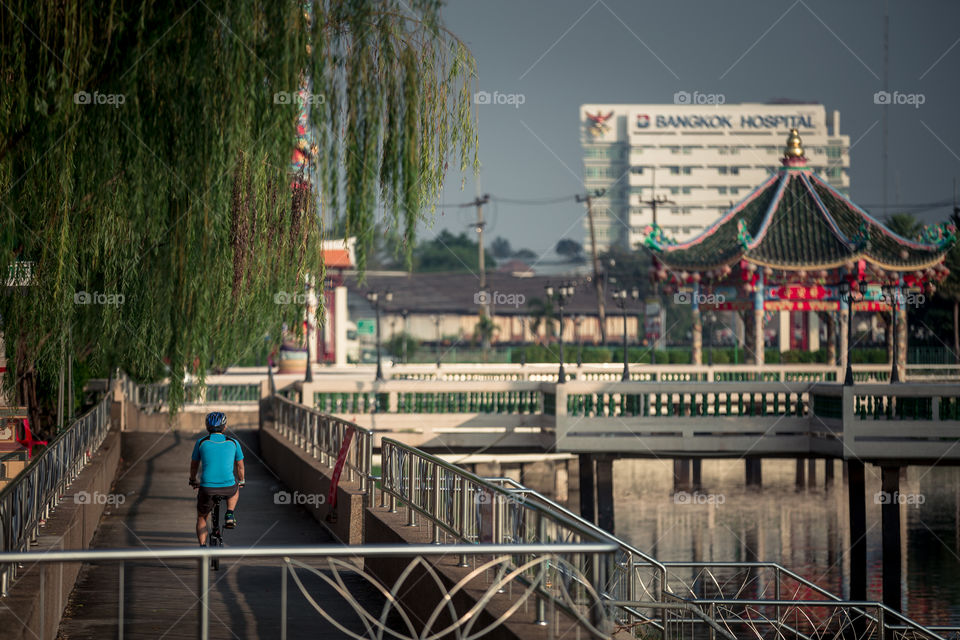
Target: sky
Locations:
point(559, 54)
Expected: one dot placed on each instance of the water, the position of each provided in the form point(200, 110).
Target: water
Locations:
point(806, 531)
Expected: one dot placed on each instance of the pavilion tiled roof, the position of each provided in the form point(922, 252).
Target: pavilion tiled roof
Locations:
point(796, 221)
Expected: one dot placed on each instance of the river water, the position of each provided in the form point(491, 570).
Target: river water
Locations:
point(806, 531)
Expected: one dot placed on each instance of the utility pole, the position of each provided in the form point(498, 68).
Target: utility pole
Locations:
point(597, 282)
point(652, 203)
point(484, 295)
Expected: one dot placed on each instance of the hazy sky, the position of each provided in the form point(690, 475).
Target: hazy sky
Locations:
point(560, 54)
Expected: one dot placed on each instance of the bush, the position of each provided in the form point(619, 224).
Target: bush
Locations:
point(395, 345)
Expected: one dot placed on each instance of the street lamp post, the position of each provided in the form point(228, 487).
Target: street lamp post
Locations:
point(436, 321)
point(577, 321)
point(375, 298)
point(848, 292)
point(892, 292)
point(621, 296)
point(523, 341)
point(561, 294)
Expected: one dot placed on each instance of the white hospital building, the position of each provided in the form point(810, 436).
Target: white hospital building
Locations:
point(701, 158)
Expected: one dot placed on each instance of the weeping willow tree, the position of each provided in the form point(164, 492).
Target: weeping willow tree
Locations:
point(145, 173)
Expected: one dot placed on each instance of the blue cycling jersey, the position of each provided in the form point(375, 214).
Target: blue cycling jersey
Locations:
point(217, 454)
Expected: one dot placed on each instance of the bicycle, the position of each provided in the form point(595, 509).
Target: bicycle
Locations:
point(215, 539)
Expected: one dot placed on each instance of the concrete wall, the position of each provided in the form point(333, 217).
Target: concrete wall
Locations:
point(191, 419)
point(29, 611)
point(301, 472)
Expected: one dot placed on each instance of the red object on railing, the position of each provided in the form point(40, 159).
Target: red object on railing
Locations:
point(338, 468)
point(27, 440)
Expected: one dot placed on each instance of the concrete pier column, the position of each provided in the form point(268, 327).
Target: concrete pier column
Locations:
point(753, 472)
point(801, 479)
point(681, 474)
point(827, 472)
point(902, 341)
point(831, 339)
point(588, 509)
point(811, 473)
point(561, 482)
point(841, 358)
point(696, 480)
point(783, 333)
point(890, 526)
point(605, 493)
point(856, 495)
point(813, 331)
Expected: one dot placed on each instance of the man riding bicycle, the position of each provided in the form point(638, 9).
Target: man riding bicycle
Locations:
point(218, 456)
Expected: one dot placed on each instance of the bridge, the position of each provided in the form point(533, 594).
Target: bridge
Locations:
point(431, 548)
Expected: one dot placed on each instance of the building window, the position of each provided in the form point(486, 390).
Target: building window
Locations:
point(722, 190)
point(686, 190)
point(735, 171)
point(674, 170)
point(723, 170)
point(636, 170)
point(674, 190)
point(734, 191)
point(687, 171)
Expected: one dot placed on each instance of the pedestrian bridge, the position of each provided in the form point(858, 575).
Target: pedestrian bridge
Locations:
point(435, 550)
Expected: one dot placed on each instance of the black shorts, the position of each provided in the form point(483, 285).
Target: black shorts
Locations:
point(205, 497)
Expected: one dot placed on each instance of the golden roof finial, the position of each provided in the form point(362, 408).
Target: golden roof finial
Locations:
point(794, 145)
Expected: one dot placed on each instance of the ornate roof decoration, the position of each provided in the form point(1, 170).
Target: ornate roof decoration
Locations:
point(795, 221)
point(656, 239)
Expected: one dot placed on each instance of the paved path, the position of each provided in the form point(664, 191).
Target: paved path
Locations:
point(162, 598)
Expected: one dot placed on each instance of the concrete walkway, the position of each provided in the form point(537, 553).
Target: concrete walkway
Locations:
point(161, 599)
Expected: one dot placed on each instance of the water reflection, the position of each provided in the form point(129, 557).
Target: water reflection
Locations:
point(807, 531)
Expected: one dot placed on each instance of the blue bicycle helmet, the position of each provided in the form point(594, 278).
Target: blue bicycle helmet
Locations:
point(216, 421)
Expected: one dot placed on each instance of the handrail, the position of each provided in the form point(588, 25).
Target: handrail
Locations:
point(857, 605)
point(26, 502)
point(625, 547)
point(474, 510)
point(322, 436)
point(546, 572)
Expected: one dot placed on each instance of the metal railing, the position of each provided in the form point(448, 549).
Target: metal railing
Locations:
point(322, 436)
point(520, 572)
point(157, 395)
point(26, 502)
point(635, 577)
point(464, 507)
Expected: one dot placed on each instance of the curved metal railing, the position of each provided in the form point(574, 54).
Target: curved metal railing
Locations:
point(26, 502)
point(464, 507)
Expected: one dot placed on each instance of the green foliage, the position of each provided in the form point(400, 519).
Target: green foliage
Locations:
point(448, 252)
point(178, 198)
point(542, 314)
point(395, 345)
point(570, 250)
point(904, 225)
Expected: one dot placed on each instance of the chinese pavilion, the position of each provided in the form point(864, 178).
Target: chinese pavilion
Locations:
point(796, 244)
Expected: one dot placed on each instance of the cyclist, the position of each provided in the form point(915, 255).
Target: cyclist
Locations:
point(219, 456)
